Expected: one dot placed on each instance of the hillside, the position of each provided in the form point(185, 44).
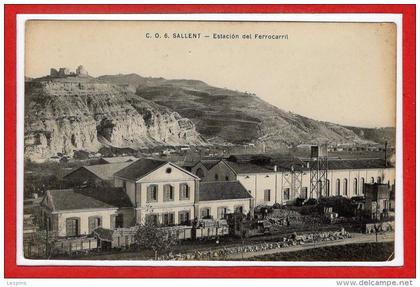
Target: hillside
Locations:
point(379, 135)
point(222, 115)
point(83, 113)
point(64, 114)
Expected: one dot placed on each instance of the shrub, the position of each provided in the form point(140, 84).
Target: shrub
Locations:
point(342, 205)
point(309, 210)
point(311, 201)
point(299, 201)
point(276, 205)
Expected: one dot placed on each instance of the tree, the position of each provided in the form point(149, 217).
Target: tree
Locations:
point(158, 239)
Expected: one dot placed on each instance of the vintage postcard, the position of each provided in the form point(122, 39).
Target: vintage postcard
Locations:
point(203, 142)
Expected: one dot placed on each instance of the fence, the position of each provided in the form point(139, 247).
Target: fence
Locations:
point(211, 232)
point(68, 246)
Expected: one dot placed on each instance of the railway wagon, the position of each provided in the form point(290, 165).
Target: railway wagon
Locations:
point(211, 232)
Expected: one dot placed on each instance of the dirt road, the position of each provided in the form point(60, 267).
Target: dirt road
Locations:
point(356, 238)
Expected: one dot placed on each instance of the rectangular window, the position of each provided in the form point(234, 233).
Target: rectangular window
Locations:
point(168, 192)
point(72, 226)
point(221, 212)
point(184, 191)
point(286, 194)
point(94, 222)
point(205, 212)
point(113, 221)
point(267, 195)
point(152, 193)
point(168, 219)
point(119, 221)
point(184, 217)
point(239, 209)
point(152, 219)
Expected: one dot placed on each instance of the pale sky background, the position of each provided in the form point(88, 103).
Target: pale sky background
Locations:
point(338, 72)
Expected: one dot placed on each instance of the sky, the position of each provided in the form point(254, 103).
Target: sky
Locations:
point(338, 72)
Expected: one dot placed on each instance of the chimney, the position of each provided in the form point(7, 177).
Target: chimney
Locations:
point(275, 168)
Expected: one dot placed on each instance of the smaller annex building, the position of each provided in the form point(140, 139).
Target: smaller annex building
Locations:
point(217, 199)
point(70, 213)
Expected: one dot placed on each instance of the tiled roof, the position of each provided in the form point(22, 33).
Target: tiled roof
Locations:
point(140, 168)
point(117, 159)
point(209, 163)
point(247, 167)
point(286, 164)
point(104, 171)
point(104, 234)
point(222, 190)
point(299, 165)
point(246, 163)
point(185, 163)
point(335, 164)
point(356, 163)
point(68, 199)
point(114, 196)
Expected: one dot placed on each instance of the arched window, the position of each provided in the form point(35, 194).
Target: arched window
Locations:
point(379, 179)
point(184, 191)
point(199, 172)
point(168, 192)
point(227, 178)
point(355, 191)
point(73, 226)
point(216, 177)
point(152, 193)
point(362, 183)
point(337, 187)
point(94, 222)
point(372, 180)
point(345, 184)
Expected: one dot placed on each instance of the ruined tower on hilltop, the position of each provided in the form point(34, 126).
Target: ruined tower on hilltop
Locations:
point(81, 71)
point(65, 72)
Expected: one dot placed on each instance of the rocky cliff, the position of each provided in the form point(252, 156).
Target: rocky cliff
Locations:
point(74, 113)
point(227, 116)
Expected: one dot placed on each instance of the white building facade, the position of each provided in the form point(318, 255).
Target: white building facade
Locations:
point(269, 185)
point(161, 192)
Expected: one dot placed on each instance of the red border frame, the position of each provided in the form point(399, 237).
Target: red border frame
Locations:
point(11, 270)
